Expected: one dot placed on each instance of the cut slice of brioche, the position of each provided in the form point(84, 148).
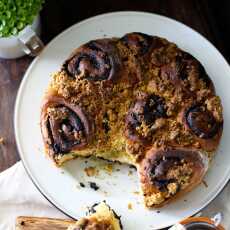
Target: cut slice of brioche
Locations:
point(101, 217)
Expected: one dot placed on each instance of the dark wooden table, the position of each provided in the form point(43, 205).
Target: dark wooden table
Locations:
point(209, 18)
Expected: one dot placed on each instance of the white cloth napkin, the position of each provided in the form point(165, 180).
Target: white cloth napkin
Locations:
point(19, 196)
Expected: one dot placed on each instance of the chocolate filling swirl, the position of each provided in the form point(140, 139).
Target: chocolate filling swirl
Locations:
point(202, 122)
point(176, 167)
point(94, 61)
point(64, 126)
point(138, 42)
point(182, 67)
point(144, 112)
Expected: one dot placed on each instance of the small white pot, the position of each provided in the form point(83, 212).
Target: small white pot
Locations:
point(20, 45)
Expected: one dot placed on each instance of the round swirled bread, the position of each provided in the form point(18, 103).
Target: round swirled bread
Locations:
point(139, 100)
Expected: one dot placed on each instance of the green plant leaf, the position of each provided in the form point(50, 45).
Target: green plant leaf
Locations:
point(15, 15)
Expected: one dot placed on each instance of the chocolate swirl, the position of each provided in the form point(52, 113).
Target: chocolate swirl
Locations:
point(144, 112)
point(64, 126)
point(202, 122)
point(179, 69)
point(182, 67)
point(95, 61)
point(173, 171)
point(138, 42)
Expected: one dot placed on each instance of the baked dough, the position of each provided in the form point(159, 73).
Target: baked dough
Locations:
point(139, 100)
point(101, 217)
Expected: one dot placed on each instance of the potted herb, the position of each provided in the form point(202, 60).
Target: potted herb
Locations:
point(18, 18)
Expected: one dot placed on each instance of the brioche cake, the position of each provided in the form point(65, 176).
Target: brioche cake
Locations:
point(139, 100)
point(100, 217)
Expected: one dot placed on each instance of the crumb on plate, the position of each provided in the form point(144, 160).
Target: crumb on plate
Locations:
point(1, 140)
point(205, 183)
point(108, 168)
point(91, 171)
point(82, 184)
point(94, 186)
point(130, 206)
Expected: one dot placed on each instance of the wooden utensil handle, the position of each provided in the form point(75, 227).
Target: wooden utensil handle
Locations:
point(41, 223)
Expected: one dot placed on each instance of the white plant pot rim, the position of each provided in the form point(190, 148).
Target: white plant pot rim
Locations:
point(12, 47)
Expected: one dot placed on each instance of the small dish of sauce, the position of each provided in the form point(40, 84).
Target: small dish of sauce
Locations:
point(200, 223)
point(200, 226)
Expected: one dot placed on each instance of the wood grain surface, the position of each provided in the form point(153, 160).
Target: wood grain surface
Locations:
point(41, 223)
point(210, 18)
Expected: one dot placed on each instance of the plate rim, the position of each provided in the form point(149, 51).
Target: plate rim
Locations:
point(32, 64)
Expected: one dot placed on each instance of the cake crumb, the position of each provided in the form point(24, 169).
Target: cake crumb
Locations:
point(105, 193)
point(205, 183)
point(136, 192)
point(1, 140)
point(109, 168)
point(130, 206)
point(94, 186)
point(130, 173)
point(91, 171)
point(158, 211)
point(82, 184)
point(132, 167)
point(22, 223)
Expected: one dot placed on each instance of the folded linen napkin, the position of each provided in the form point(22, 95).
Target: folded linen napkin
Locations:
point(19, 196)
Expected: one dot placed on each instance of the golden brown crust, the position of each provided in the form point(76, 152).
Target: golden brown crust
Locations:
point(101, 217)
point(168, 174)
point(51, 126)
point(141, 92)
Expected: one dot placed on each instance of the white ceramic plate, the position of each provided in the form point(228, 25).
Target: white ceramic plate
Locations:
point(61, 186)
